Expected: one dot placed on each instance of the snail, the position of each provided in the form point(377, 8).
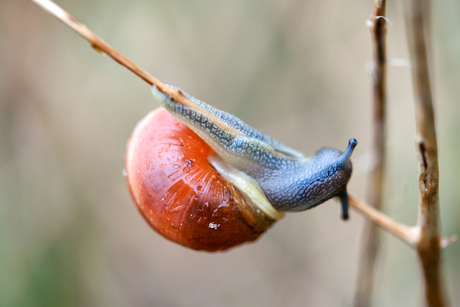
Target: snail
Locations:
point(204, 179)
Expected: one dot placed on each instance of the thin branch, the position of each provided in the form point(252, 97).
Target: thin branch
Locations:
point(378, 25)
point(102, 47)
point(408, 235)
point(429, 245)
point(399, 230)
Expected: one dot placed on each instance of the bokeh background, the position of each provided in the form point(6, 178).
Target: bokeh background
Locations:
point(69, 232)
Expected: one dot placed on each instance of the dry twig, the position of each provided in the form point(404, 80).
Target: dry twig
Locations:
point(102, 47)
point(378, 25)
point(425, 237)
point(429, 245)
point(406, 234)
point(399, 230)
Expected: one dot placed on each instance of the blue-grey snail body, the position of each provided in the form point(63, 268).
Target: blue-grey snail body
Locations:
point(203, 178)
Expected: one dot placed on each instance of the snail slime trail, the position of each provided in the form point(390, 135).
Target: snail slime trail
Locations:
point(203, 178)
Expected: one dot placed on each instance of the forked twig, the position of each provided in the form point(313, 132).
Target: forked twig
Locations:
point(99, 45)
point(425, 237)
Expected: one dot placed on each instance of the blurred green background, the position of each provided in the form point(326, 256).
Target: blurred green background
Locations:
point(69, 232)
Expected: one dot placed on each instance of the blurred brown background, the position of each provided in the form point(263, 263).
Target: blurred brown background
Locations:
point(69, 232)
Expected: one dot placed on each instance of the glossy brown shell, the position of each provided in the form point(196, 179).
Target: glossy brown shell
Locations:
point(180, 194)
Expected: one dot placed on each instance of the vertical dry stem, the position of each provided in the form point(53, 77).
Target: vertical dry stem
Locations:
point(429, 244)
point(371, 238)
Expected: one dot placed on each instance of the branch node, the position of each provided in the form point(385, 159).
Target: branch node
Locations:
point(371, 21)
point(447, 241)
point(97, 48)
point(388, 22)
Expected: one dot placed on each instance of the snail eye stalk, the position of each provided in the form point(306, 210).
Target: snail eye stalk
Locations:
point(203, 178)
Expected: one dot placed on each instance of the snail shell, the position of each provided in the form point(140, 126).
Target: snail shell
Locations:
point(180, 194)
point(204, 179)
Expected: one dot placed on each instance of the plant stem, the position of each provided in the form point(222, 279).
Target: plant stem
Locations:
point(99, 45)
point(102, 47)
point(408, 235)
point(428, 247)
point(378, 25)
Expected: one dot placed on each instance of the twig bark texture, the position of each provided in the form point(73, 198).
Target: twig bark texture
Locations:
point(429, 247)
point(378, 26)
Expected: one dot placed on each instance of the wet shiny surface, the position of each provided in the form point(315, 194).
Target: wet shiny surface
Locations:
point(180, 195)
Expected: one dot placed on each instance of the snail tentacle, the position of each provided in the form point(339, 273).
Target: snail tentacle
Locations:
point(203, 178)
